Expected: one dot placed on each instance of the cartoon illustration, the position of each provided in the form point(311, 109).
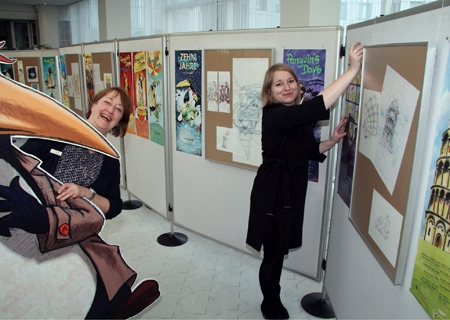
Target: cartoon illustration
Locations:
point(50, 82)
point(188, 105)
point(28, 202)
point(154, 105)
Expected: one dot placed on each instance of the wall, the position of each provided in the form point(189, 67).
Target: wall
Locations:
point(109, 13)
point(299, 13)
point(357, 285)
point(48, 25)
point(12, 11)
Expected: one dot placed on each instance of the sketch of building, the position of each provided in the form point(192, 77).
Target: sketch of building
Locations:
point(389, 126)
point(437, 215)
point(370, 122)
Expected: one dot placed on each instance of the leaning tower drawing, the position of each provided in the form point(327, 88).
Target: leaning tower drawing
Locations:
point(437, 214)
point(389, 126)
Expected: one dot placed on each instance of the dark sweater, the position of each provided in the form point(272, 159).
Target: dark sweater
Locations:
point(107, 184)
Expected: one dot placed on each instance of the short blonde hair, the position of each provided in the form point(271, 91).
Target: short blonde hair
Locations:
point(267, 97)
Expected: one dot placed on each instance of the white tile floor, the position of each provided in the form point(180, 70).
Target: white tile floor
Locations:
point(201, 279)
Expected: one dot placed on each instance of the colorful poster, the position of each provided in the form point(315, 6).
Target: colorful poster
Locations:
point(348, 149)
point(64, 83)
point(155, 96)
point(126, 82)
point(140, 94)
point(431, 277)
point(49, 67)
point(7, 70)
point(89, 68)
point(188, 104)
point(309, 65)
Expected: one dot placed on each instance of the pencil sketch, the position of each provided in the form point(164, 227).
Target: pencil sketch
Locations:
point(226, 139)
point(397, 106)
point(224, 92)
point(385, 226)
point(212, 102)
point(369, 123)
point(248, 74)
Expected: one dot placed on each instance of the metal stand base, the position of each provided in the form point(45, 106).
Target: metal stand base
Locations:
point(315, 304)
point(172, 239)
point(131, 204)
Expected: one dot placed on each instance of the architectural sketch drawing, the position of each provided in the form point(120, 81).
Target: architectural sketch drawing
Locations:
point(397, 106)
point(248, 74)
point(387, 136)
point(369, 123)
point(385, 226)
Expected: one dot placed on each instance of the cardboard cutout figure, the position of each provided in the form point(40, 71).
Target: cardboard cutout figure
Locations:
point(28, 202)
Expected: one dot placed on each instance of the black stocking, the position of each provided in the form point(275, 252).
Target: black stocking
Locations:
point(269, 276)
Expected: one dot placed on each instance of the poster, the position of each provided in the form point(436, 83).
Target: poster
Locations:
point(32, 74)
point(155, 96)
point(89, 69)
point(309, 65)
point(126, 82)
point(140, 94)
point(348, 146)
point(51, 88)
point(7, 70)
point(188, 103)
point(64, 83)
point(431, 276)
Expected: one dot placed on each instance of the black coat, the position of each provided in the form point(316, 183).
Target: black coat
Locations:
point(279, 190)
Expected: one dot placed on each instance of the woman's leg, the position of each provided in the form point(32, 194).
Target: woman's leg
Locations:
point(269, 280)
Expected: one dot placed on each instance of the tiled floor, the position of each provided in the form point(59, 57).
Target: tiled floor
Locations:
point(201, 279)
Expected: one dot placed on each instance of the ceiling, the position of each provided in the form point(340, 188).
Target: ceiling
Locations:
point(38, 2)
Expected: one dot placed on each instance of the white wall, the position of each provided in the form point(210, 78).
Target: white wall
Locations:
point(300, 13)
point(357, 285)
point(114, 19)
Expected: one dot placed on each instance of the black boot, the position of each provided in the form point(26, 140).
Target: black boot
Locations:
point(26, 212)
point(269, 279)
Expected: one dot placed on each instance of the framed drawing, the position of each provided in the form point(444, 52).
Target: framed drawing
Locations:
point(392, 124)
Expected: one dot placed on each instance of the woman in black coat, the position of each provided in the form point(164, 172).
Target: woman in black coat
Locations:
point(279, 190)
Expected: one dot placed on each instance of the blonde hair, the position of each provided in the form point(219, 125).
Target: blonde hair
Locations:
point(267, 98)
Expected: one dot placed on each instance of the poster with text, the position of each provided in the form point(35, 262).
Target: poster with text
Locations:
point(188, 103)
point(309, 65)
point(431, 276)
point(140, 94)
point(348, 145)
point(126, 83)
point(49, 67)
point(155, 96)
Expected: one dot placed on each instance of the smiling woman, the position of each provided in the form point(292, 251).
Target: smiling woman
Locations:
point(86, 173)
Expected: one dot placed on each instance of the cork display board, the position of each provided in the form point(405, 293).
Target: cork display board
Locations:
point(233, 113)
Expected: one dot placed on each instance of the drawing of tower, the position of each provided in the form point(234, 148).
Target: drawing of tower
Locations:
point(437, 215)
point(389, 126)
